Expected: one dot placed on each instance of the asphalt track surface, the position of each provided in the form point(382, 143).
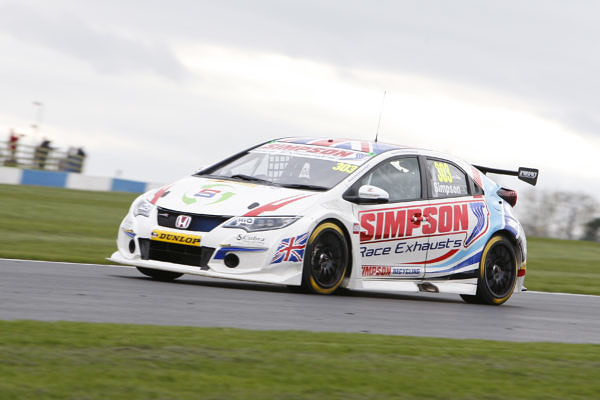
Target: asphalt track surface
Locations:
point(44, 291)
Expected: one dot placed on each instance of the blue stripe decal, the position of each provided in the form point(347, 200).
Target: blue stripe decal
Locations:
point(44, 178)
point(472, 260)
point(224, 250)
point(509, 223)
point(511, 230)
point(461, 254)
point(477, 209)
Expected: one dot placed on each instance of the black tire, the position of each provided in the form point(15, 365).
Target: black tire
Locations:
point(471, 298)
point(296, 289)
point(326, 259)
point(163, 276)
point(497, 273)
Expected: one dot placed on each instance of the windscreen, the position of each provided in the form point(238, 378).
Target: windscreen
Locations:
point(293, 165)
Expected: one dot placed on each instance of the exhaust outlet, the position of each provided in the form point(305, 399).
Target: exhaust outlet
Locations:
point(428, 287)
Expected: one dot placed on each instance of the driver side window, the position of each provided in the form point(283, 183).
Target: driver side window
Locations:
point(400, 177)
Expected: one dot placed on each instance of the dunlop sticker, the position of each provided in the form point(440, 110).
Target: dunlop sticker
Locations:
point(179, 238)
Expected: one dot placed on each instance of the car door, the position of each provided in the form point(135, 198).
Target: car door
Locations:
point(457, 217)
point(392, 244)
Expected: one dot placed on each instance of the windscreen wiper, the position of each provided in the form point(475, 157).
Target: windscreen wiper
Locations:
point(249, 178)
point(304, 186)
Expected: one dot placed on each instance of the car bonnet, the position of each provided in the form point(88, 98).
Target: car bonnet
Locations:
point(197, 195)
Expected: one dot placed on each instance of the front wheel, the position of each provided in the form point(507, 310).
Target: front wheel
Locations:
point(497, 273)
point(326, 259)
point(164, 276)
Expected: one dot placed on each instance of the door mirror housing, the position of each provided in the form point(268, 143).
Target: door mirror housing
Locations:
point(374, 193)
point(369, 194)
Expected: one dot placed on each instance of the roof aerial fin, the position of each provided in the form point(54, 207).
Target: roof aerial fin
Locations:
point(380, 113)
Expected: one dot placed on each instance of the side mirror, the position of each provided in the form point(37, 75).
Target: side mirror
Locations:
point(368, 194)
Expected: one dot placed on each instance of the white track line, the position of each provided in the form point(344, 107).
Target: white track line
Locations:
point(562, 294)
point(127, 266)
point(66, 263)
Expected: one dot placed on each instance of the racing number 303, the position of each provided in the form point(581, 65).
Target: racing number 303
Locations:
point(347, 168)
point(443, 171)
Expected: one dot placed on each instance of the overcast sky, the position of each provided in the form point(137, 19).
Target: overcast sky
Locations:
point(157, 89)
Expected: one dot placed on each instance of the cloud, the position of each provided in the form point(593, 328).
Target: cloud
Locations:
point(458, 79)
point(542, 51)
point(107, 52)
point(318, 98)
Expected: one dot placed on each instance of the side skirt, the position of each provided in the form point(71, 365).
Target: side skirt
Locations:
point(457, 286)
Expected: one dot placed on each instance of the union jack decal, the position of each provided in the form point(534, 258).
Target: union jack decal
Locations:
point(349, 144)
point(291, 249)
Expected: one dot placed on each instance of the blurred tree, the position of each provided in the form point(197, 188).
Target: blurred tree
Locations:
point(576, 209)
point(559, 214)
point(592, 229)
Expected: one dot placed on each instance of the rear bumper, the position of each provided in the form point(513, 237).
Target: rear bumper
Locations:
point(521, 272)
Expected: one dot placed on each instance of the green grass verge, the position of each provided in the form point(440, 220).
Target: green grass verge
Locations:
point(79, 226)
point(569, 266)
point(43, 223)
point(41, 360)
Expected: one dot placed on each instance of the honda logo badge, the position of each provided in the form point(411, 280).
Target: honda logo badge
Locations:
point(183, 221)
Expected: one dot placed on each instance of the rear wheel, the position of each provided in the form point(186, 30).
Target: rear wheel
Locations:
point(164, 276)
point(326, 259)
point(497, 273)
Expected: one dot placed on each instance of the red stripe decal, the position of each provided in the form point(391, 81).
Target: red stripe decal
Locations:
point(477, 176)
point(447, 255)
point(159, 194)
point(275, 205)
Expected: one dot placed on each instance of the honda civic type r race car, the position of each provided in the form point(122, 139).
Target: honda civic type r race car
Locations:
point(320, 214)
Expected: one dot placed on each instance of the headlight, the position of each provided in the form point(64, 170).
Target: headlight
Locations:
point(142, 207)
point(254, 224)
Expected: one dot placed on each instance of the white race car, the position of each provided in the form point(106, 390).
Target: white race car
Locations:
point(320, 214)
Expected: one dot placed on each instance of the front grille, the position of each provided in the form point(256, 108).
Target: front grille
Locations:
point(176, 253)
point(200, 222)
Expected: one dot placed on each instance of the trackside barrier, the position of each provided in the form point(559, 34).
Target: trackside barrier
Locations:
point(70, 180)
point(42, 157)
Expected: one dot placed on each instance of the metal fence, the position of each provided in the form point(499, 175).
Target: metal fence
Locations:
point(42, 157)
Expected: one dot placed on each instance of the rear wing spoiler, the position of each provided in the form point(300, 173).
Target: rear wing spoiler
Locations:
point(529, 175)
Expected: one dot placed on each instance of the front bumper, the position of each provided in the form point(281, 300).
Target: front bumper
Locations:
point(139, 245)
point(276, 276)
